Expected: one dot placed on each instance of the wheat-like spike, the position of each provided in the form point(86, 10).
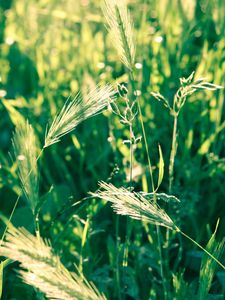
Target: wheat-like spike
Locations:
point(77, 110)
point(25, 150)
point(43, 270)
point(120, 28)
point(133, 205)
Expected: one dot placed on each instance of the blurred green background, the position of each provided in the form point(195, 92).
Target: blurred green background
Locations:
point(51, 49)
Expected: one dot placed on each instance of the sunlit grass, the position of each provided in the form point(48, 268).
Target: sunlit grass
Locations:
point(146, 154)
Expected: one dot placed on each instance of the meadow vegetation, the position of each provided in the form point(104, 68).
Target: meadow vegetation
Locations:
point(112, 156)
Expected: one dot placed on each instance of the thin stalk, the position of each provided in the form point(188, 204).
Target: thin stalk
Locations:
point(118, 259)
point(127, 51)
point(158, 231)
point(173, 152)
point(10, 218)
point(144, 133)
point(179, 255)
point(131, 155)
point(128, 229)
point(132, 81)
point(127, 242)
point(146, 145)
point(39, 155)
point(16, 203)
point(171, 178)
point(152, 186)
point(202, 248)
point(36, 225)
point(171, 174)
point(83, 241)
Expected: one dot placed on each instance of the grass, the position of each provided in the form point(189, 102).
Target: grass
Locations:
point(158, 162)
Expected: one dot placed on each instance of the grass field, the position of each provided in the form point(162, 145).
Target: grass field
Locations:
point(112, 158)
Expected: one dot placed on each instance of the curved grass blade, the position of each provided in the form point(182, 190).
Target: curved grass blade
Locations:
point(209, 266)
point(161, 168)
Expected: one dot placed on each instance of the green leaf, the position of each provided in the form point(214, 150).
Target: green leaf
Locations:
point(209, 266)
point(3, 264)
point(15, 116)
point(1, 278)
point(208, 142)
point(161, 168)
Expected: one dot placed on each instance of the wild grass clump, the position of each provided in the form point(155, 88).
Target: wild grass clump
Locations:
point(188, 86)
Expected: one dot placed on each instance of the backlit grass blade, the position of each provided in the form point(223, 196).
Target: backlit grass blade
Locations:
point(209, 266)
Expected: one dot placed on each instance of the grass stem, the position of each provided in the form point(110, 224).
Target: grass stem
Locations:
point(16, 203)
point(173, 153)
point(118, 259)
point(159, 242)
point(10, 218)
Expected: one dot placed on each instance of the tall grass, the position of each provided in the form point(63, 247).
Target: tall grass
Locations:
point(156, 166)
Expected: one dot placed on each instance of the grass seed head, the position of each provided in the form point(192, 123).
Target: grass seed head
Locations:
point(43, 270)
point(25, 153)
point(133, 205)
point(77, 110)
point(120, 29)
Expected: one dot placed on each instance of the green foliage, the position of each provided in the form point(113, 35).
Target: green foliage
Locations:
point(53, 50)
point(161, 168)
point(2, 267)
point(208, 267)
